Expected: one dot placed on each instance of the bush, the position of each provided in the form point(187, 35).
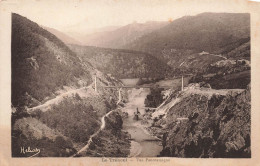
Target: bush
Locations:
point(155, 98)
point(73, 118)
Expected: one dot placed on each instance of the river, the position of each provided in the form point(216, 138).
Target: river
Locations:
point(142, 144)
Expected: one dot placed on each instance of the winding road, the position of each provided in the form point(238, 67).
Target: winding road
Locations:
point(142, 144)
point(83, 92)
point(103, 125)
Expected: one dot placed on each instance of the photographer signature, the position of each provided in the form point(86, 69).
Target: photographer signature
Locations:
point(29, 150)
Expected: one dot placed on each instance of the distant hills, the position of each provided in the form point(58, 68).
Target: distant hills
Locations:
point(158, 49)
point(122, 63)
point(191, 43)
point(62, 36)
point(187, 45)
point(118, 62)
point(210, 32)
point(120, 36)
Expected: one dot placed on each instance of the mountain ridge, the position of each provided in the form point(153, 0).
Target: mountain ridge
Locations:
point(62, 36)
point(123, 63)
point(121, 35)
point(203, 32)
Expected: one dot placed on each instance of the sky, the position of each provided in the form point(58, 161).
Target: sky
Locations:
point(86, 16)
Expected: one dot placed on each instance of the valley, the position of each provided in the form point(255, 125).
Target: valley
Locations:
point(155, 89)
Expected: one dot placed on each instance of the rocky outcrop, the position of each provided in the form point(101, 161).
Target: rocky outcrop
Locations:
point(30, 133)
point(206, 123)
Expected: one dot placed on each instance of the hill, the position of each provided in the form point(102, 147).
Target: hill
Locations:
point(208, 32)
point(202, 122)
point(41, 63)
point(54, 105)
point(122, 63)
point(198, 41)
point(62, 36)
point(121, 36)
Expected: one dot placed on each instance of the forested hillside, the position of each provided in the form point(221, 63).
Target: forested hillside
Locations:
point(120, 36)
point(192, 43)
point(54, 105)
point(208, 32)
point(123, 63)
point(41, 63)
point(62, 36)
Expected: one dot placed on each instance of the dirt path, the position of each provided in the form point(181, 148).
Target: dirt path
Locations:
point(103, 125)
point(83, 92)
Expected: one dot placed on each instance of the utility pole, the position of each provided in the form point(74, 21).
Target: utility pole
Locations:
point(119, 97)
point(181, 82)
point(95, 83)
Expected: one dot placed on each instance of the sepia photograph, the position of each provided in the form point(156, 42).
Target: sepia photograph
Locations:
point(119, 80)
point(168, 88)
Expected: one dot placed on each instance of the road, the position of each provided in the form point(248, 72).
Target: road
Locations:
point(103, 125)
point(84, 91)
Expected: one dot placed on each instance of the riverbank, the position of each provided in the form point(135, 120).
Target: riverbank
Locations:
point(142, 143)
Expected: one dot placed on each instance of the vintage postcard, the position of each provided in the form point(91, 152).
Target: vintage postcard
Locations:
point(136, 82)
